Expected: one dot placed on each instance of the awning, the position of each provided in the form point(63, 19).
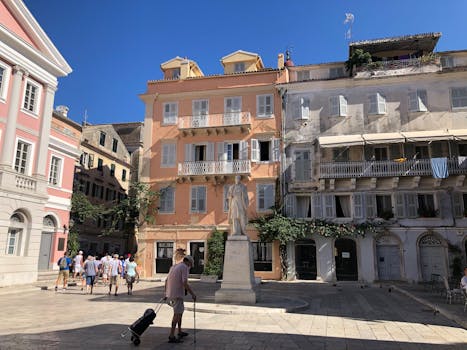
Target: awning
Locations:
point(429, 135)
point(459, 134)
point(389, 137)
point(340, 141)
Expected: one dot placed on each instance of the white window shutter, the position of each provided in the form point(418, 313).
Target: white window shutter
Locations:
point(317, 206)
point(201, 198)
point(343, 106)
point(371, 205)
point(413, 101)
point(358, 205)
point(422, 100)
point(457, 201)
point(334, 105)
point(210, 151)
point(221, 155)
point(305, 108)
point(268, 104)
point(412, 205)
point(373, 104)
point(400, 205)
point(254, 150)
point(188, 152)
point(269, 196)
point(381, 104)
point(329, 206)
point(290, 205)
point(261, 108)
point(276, 143)
point(243, 150)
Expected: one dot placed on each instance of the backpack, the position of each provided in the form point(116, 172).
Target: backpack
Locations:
point(63, 263)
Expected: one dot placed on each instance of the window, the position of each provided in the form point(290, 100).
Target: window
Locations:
point(384, 206)
point(94, 190)
point(426, 206)
point(4, 77)
point(232, 108)
point(23, 156)
point(100, 164)
point(262, 256)
point(198, 199)
point(175, 73)
point(422, 152)
point(302, 166)
point(265, 150)
point(200, 112)
point(83, 159)
point(112, 169)
point(170, 113)
point(91, 161)
point(102, 138)
point(304, 108)
point(342, 206)
point(337, 72)
point(239, 67)
point(123, 174)
point(338, 106)
point(459, 97)
point(167, 200)
point(303, 207)
point(380, 153)
point(31, 97)
point(55, 170)
point(303, 75)
point(265, 196)
point(108, 194)
point(169, 152)
point(264, 106)
point(114, 145)
point(447, 62)
point(377, 104)
point(12, 242)
point(15, 232)
point(417, 101)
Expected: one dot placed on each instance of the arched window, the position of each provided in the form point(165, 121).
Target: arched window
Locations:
point(49, 224)
point(15, 234)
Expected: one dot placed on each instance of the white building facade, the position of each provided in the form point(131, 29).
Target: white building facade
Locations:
point(386, 144)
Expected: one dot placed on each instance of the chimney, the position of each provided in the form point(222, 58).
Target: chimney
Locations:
point(185, 69)
point(62, 110)
point(280, 61)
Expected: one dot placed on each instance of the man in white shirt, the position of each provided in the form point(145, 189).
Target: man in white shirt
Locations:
point(78, 264)
point(115, 270)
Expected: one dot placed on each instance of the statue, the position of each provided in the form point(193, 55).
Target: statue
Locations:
point(238, 205)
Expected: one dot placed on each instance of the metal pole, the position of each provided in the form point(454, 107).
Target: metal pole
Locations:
point(194, 322)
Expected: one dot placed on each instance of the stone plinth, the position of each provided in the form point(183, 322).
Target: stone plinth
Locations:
point(238, 282)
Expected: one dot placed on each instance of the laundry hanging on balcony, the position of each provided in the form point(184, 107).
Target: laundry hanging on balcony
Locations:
point(439, 167)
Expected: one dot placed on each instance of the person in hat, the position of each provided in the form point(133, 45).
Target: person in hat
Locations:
point(175, 286)
point(78, 264)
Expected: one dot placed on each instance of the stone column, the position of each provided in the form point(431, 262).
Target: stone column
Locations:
point(9, 138)
point(44, 135)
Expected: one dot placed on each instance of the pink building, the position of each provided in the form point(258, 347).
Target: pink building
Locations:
point(29, 67)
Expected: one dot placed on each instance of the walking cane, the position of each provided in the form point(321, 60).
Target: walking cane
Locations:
point(194, 322)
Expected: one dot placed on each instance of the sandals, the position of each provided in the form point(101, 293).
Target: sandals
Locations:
point(182, 334)
point(175, 340)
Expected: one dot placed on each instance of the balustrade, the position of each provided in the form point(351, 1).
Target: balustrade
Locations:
point(214, 167)
point(214, 120)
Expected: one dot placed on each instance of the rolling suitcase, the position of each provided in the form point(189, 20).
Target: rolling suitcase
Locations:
point(141, 324)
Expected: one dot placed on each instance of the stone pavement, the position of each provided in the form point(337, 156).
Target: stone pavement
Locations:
point(345, 316)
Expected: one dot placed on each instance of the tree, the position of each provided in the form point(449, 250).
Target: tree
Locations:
point(216, 247)
point(357, 59)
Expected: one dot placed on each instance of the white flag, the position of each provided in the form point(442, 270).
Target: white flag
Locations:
point(349, 17)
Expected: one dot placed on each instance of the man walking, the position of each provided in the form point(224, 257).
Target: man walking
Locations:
point(115, 271)
point(175, 286)
point(64, 264)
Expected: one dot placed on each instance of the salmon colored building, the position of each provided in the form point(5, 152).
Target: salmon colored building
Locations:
point(29, 68)
point(200, 132)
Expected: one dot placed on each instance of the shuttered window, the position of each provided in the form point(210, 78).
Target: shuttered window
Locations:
point(377, 104)
point(265, 196)
point(418, 101)
point(198, 199)
point(167, 200)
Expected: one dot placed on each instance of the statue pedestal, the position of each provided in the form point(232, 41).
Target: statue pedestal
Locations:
point(238, 281)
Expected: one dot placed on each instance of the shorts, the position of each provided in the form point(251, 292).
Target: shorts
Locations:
point(130, 279)
point(78, 269)
point(113, 279)
point(177, 305)
point(90, 280)
point(63, 274)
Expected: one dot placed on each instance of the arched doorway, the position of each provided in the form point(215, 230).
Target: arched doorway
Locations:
point(432, 256)
point(305, 259)
point(17, 232)
point(388, 257)
point(346, 260)
point(49, 227)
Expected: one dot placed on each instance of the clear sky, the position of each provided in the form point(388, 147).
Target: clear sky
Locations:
point(116, 46)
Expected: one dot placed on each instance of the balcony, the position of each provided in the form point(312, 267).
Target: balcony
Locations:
point(424, 64)
point(385, 168)
point(214, 168)
point(215, 123)
point(19, 183)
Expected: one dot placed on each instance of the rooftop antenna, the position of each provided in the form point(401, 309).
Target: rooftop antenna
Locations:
point(349, 19)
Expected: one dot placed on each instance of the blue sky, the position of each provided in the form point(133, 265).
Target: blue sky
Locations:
point(116, 46)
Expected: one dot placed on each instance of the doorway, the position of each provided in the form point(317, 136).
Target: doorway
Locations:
point(164, 256)
point(197, 252)
point(432, 258)
point(346, 260)
point(388, 258)
point(44, 252)
point(305, 259)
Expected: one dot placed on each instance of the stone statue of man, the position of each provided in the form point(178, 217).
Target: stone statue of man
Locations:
point(238, 205)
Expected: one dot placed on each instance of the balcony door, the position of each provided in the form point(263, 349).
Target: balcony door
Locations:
point(200, 113)
point(232, 108)
point(302, 165)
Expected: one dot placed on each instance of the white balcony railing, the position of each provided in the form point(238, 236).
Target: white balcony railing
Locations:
point(385, 168)
point(214, 120)
point(25, 183)
point(214, 167)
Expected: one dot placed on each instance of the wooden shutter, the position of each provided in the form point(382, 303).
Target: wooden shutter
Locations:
point(334, 105)
point(381, 104)
point(276, 149)
point(358, 205)
point(373, 104)
point(329, 206)
point(412, 204)
point(210, 151)
point(395, 151)
point(189, 152)
point(317, 206)
point(269, 196)
point(194, 199)
point(457, 202)
point(254, 150)
point(304, 108)
point(243, 150)
point(202, 198)
point(290, 202)
point(400, 205)
point(261, 108)
point(342, 106)
point(422, 100)
point(413, 101)
point(370, 205)
point(221, 155)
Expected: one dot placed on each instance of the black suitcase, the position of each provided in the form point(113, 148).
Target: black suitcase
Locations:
point(141, 324)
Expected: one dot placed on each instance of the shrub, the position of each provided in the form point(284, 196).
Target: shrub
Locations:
point(215, 258)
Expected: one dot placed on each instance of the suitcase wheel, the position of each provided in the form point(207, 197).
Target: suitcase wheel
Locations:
point(136, 341)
